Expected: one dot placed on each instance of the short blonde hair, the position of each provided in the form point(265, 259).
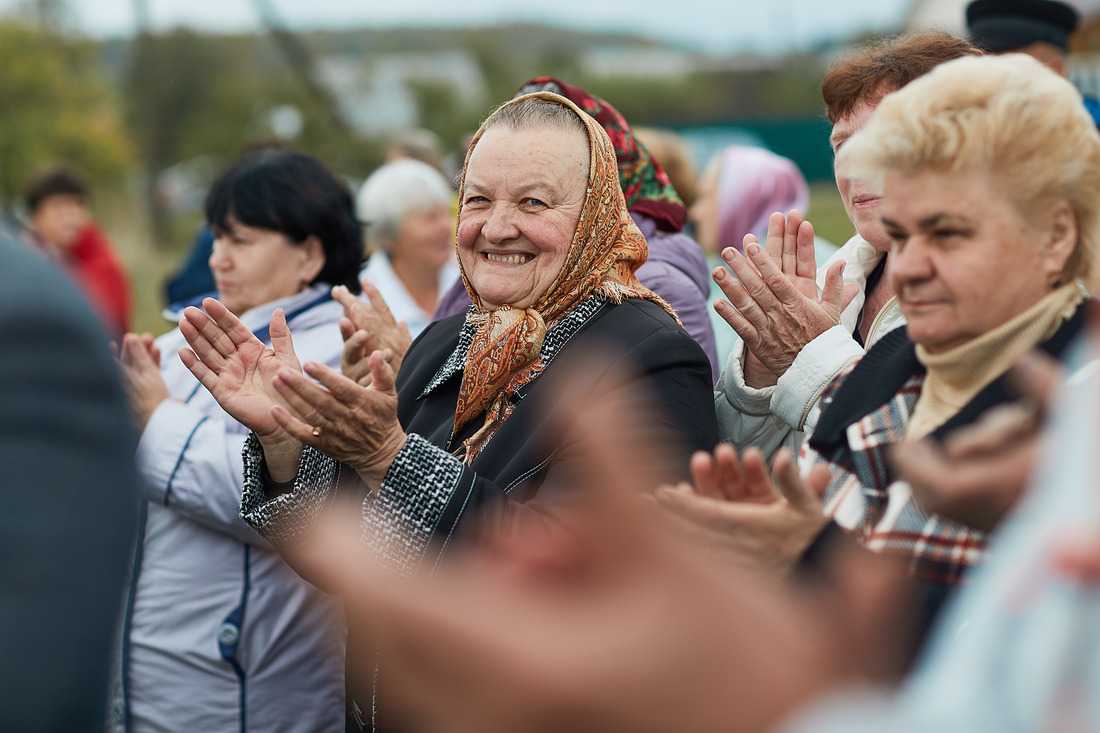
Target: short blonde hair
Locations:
point(1006, 114)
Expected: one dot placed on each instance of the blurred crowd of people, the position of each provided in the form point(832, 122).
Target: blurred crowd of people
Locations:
point(599, 441)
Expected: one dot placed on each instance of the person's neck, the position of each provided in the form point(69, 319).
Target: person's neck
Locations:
point(421, 282)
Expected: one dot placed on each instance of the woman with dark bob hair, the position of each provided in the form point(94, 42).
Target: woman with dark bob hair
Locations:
point(218, 633)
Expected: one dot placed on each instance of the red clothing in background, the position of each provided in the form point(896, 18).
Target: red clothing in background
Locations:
point(93, 263)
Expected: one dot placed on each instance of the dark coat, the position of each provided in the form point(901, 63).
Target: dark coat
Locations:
point(69, 497)
point(638, 354)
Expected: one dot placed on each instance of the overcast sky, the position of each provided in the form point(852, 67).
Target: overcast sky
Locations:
point(716, 25)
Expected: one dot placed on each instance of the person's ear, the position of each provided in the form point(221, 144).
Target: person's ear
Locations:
point(312, 258)
point(1061, 241)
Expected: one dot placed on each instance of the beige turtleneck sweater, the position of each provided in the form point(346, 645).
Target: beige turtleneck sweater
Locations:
point(956, 376)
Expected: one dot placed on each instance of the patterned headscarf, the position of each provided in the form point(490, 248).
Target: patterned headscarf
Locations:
point(644, 182)
point(605, 251)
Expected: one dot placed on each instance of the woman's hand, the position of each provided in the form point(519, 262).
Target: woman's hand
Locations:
point(342, 418)
point(775, 308)
point(239, 371)
point(367, 328)
point(139, 360)
point(735, 508)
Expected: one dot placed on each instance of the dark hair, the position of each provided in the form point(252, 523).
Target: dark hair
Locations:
point(870, 72)
point(60, 181)
point(296, 195)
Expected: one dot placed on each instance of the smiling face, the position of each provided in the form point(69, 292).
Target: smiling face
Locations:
point(860, 201)
point(964, 258)
point(522, 198)
point(253, 266)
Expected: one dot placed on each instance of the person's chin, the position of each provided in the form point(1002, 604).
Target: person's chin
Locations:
point(872, 231)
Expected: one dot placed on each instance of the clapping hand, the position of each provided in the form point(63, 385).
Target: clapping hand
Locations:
point(367, 328)
point(611, 624)
point(341, 417)
point(139, 361)
point(736, 509)
point(773, 303)
point(239, 370)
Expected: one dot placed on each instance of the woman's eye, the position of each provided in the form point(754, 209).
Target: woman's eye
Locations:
point(473, 200)
point(533, 202)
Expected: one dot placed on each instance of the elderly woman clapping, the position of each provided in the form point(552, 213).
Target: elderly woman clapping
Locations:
point(990, 176)
point(548, 252)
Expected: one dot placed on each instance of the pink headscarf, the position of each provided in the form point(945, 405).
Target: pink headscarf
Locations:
point(752, 184)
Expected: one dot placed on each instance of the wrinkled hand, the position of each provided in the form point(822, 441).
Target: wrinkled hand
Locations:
point(772, 306)
point(735, 509)
point(790, 244)
point(239, 371)
point(343, 419)
point(981, 470)
point(367, 328)
point(139, 361)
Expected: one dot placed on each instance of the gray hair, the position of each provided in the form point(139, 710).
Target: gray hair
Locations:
point(393, 192)
point(525, 114)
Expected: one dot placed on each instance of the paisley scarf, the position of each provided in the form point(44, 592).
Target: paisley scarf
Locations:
point(645, 184)
point(605, 251)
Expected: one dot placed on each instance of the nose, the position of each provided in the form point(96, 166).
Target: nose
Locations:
point(219, 254)
point(500, 224)
point(909, 263)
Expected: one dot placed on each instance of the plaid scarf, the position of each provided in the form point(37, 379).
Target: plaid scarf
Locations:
point(605, 251)
point(645, 184)
point(865, 410)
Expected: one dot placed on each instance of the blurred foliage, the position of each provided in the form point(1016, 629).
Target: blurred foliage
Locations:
point(127, 110)
point(57, 107)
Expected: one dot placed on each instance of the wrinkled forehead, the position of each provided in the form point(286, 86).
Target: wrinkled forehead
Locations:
point(529, 154)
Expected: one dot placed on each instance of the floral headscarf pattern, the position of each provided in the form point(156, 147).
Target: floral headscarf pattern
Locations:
point(606, 249)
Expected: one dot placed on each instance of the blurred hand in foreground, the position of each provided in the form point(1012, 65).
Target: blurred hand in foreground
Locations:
point(616, 623)
point(744, 515)
point(979, 472)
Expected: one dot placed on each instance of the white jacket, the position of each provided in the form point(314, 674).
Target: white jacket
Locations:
point(401, 304)
point(782, 415)
point(219, 634)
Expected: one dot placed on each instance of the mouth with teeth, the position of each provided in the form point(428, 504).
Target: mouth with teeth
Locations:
point(513, 259)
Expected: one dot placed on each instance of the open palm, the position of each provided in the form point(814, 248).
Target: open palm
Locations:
point(235, 366)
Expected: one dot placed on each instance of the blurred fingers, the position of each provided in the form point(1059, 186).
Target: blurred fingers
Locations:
point(797, 492)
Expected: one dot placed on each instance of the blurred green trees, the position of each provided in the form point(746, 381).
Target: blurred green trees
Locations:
point(148, 115)
point(56, 105)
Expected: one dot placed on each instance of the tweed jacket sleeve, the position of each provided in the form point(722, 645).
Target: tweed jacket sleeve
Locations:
point(430, 501)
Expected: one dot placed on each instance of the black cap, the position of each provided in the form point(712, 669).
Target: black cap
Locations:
point(1006, 25)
